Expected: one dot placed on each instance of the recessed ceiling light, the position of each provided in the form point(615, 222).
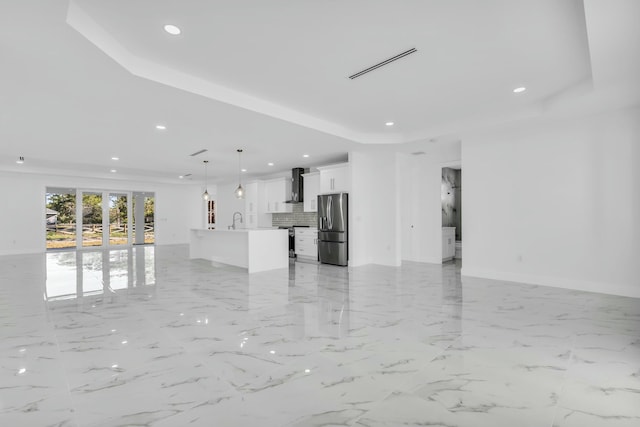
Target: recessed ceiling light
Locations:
point(161, 127)
point(519, 89)
point(113, 171)
point(269, 164)
point(389, 123)
point(305, 155)
point(181, 176)
point(115, 158)
point(172, 29)
point(243, 170)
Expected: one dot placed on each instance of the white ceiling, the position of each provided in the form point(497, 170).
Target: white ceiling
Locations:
point(85, 80)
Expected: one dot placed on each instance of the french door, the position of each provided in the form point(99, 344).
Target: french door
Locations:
point(106, 218)
point(78, 218)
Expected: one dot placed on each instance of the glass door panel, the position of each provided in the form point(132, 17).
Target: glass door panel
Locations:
point(60, 218)
point(92, 232)
point(143, 218)
point(149, 215)
point(118, 219)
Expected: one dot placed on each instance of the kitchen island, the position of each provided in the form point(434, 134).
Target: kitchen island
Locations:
point(258, 249)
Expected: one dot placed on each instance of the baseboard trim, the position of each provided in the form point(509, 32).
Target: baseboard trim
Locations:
point(22, 252)
point(428, 260)
point(555, 282)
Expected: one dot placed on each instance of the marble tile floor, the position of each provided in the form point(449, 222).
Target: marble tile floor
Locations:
point(146, 337)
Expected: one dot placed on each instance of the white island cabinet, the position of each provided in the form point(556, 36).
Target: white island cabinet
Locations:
point(253, 249)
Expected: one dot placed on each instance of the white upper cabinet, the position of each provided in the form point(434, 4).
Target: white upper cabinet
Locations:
point(251, 198)
point(311, 189)
point(251, 192)
point(335, 178)
point(254, 199)
point(277, 192)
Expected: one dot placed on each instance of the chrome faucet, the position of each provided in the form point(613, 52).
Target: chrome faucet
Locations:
point(234, 219)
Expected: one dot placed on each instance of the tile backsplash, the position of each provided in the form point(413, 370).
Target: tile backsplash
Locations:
point(297, 217)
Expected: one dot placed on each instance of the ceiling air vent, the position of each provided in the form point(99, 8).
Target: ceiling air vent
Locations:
point(204, 150)
point(383, 63)
point(418, 153)
point(186, 175)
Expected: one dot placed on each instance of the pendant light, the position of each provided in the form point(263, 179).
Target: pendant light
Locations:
point(205, 195)
point(239, 191)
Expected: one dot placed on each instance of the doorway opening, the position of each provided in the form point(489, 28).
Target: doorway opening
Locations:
point(451, 192)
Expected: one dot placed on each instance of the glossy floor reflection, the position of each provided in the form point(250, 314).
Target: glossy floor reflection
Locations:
point(146, 336)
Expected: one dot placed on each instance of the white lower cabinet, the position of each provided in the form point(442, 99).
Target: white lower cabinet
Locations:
point(306, 243)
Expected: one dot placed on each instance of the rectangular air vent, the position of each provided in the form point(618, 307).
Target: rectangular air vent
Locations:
point(383, 63)
point(418, 153)
point(204, 150)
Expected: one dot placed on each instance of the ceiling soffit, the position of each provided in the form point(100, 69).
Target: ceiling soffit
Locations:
point(558, 67)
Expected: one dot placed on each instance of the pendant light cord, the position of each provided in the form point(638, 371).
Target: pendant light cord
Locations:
point(206, 162)
point(240, 167)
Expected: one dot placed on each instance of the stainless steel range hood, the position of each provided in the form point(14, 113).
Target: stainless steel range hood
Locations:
point(297, 186)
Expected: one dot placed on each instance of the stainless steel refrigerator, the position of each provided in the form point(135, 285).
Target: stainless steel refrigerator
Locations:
point(333, 229)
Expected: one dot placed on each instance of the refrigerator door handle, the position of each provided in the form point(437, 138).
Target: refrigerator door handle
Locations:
point(330, 213)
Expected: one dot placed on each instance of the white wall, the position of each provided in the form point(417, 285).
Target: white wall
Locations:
point(420, 198)
point(178, 209)
point(22, 225)
point(374, 225)
point(556, 204)
point(22, 215)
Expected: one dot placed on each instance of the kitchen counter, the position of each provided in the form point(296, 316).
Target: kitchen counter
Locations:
point(256, 249)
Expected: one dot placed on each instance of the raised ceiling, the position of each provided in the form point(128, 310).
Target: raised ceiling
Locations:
point(83, 81)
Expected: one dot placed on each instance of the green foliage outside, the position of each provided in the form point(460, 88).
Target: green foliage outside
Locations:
point(63, 234)
point(118, 210)
point(65, 205)
point(149, 209)
point(92, 208)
